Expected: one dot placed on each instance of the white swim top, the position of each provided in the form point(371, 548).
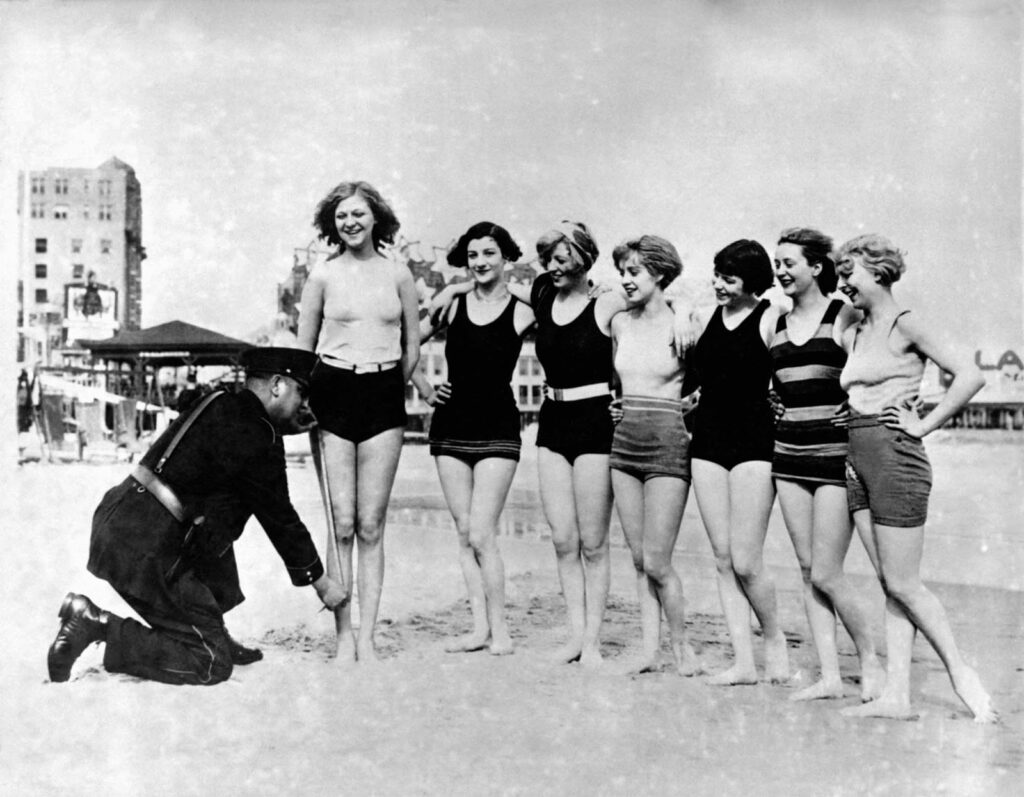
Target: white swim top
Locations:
point(362, 317)
point(876, 377)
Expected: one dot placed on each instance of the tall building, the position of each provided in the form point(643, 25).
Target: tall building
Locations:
point(80, 257)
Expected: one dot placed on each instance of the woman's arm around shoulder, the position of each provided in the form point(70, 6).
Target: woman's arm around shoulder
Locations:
point(311, 315)
point(410, 318)
point(523, 316)
point(770, 319)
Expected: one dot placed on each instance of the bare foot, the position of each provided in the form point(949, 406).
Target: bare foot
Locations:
point(501, 646)
point(366, 653)
point(687, 662)
point(345, 652)
point(468, 643)
point(591, 658)
point(776, 660)
point(648, 661)
point(822, 690)
point(969, 689)
point(734, 676)
point(872, 679)
point(883, 708)
point(569, 652)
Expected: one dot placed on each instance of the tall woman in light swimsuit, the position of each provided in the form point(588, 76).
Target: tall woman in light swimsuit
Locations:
point(360, 314)
point(474, 434)
point(733, 441)
point(810, 453)
point(649, 458)
point(888, 472)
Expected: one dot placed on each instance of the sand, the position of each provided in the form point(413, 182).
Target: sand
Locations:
point(427, 722)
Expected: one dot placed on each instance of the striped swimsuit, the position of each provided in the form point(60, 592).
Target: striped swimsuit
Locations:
point(808, 448)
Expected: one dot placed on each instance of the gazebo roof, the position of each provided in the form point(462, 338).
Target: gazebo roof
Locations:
point(170, 344)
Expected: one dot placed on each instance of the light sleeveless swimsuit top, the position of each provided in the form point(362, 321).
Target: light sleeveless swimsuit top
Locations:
point(634, 355)
point(362, 319)
point(876, 377)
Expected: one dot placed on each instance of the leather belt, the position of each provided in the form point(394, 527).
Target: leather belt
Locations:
point(363, 368)
point(577, 393)
point(161, 492)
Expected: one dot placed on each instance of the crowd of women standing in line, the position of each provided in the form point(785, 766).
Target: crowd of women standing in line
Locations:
point(840, 442)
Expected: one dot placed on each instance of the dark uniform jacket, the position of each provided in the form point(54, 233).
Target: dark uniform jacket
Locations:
point(229, 466)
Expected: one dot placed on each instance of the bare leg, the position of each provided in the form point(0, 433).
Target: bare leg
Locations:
point(711, 487)
point(340, 457)
point(555, 477)
point(593, 491)
point(798, 508)
point(899, 551)
point(831, 541)
point(457, 484)
point(492, 478)
point(377, 462)
point(751, 494)
point(629, 501)
point(664, 502)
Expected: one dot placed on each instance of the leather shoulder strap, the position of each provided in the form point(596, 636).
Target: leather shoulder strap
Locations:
point(191, 419)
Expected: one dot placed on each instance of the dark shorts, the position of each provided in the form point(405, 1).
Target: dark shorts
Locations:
point(473, 428)
point(573, 428)
point(734, 439)
point(651, 439)
point(357, 406)
point(888, 473)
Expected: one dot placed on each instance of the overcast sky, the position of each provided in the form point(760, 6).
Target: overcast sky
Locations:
point(702, 122)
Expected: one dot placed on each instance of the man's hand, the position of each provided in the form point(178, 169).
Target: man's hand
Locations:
point(332, 593)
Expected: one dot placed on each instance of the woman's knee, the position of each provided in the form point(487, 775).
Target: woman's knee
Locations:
point(825, 579)
point(481, 536)
point(344, 524)
point(747, 566)
point(594, 550)
point(903, 589)
point(371, 528)
point(657, 566)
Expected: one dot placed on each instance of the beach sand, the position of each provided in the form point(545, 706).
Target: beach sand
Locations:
point(427, 722)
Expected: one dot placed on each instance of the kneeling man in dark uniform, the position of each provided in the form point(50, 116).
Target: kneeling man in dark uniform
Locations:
point(163, 537)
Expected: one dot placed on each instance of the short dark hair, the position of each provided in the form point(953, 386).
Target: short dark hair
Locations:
point(817, 251)
point(576, 236)
point(385, 223)
point(655, 254)
point(749, 261)
point(484, 229)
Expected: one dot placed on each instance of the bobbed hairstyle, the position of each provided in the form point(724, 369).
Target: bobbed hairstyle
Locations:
point(484, 229)
point(575, 235)
point(876, 253)
point(654, 253)
point(385, 223)
point(749, 261)
point(817, 251)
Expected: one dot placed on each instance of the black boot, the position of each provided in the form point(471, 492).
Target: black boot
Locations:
point(81, 624)
point(240, 654)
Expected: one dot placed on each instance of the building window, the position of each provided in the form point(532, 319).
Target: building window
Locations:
point(60, 212)
point(85, 186)
point(77, 271)
point(535, 396)
point(60, 185)
point(40, 245)
point(106, 212)
point(104, 187)
point(40, 295)
point(40, 271)
point(76, 245)
point(105, 246)
point(524, 395)
point(38, 210)
point(85, 212)
point(38, 186)
point(523, 367)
